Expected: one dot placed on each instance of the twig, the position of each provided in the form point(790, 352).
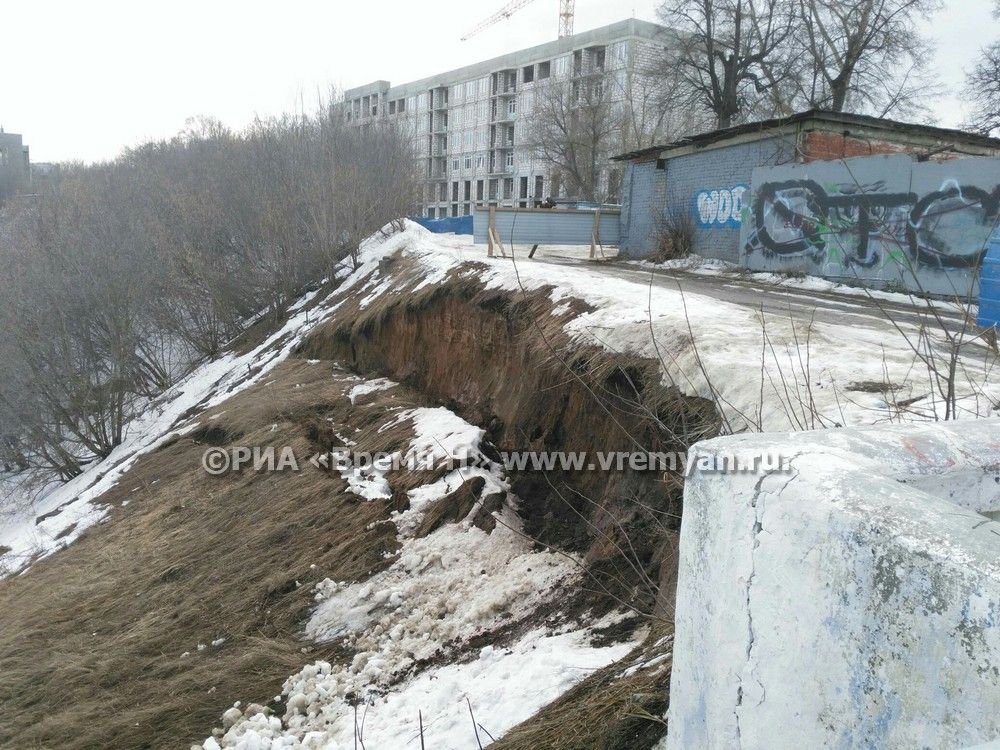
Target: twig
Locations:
point(475, 727)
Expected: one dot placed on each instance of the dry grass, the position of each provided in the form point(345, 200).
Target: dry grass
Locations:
point(91, 639)
point(674, 236)
point(873, 386)
point(501, 360)
point(607, 711)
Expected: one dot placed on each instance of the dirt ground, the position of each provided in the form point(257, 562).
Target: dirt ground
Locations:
point(193, 593)
point(99, 644)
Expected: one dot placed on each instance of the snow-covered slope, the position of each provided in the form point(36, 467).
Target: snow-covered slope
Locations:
point(445, 589)
point(797, 378)
point(409, 627)
point(414, 630)
point(768, 373)
point(39, 516)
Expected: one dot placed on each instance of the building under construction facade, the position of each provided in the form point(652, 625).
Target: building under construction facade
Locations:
point(15, 165)
point(469, 124)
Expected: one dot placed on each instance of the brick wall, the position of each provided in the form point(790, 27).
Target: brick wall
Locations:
point(642, 200)
point(817, 145)
point(709, 184)
point(700, 186)
point(940, 252)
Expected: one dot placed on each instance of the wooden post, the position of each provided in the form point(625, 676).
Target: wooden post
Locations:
point(489, 231)
point(595, 234)
point(492, 238)
point(497, 242)
point(532, 253)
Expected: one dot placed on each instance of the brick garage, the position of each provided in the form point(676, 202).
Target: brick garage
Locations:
point(704, 178)
point(818, 146)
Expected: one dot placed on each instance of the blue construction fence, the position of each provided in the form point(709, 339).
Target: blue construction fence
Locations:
point(452, 224)
point(989, 284)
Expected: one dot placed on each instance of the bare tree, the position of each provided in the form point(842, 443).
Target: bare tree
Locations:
point(982, 88)
point(574, 126)
point(657, 102)
point(122, 275)
point(982, 91)
point(733, 54)
point(359, 179)
point(865, 55)
point(575, 123)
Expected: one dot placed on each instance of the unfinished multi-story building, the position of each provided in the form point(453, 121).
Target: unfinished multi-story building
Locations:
point(15, 166)
point(469, 127)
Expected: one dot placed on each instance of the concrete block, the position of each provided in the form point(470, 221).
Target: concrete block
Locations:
point(852, 602)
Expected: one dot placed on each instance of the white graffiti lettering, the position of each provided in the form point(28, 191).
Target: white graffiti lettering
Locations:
point(720, 206)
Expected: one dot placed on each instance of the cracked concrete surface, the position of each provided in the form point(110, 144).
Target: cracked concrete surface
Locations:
point(853, 601)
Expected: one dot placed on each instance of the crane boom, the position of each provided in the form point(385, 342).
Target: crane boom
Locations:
point(566, 10)
point(504, 13)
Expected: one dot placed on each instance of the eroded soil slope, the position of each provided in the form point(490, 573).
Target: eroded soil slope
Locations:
point(195, 591)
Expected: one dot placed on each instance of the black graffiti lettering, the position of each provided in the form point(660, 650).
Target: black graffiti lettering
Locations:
point(769, 198)
point(927, 247)
point(810, 214)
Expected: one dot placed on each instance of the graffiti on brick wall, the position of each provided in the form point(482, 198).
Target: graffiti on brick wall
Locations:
point(866, 227)
point(720, 207)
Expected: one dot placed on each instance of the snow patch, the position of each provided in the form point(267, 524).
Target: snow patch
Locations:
point(369, 386)
point(440, 592)
point(503, 687)
point(34, 523)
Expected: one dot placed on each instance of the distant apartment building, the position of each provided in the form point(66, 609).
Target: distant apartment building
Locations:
point(44, 176)
point(15, 165)
point(470, 125)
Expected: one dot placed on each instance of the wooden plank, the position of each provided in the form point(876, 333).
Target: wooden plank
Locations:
point(497, 242)
point(507, 210)
point(595, 234)
point(600, 245)
point(489, 231)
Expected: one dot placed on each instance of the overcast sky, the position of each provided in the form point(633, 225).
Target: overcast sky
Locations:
point(84, 79)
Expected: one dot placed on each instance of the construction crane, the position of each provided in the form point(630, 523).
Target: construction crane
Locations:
point(566, 9)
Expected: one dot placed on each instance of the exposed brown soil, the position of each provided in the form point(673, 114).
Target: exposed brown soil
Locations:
point(501, 360)
point(873, 386)
point(91, 639)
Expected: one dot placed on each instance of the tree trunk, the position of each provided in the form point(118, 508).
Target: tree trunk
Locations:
point(839, 91)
